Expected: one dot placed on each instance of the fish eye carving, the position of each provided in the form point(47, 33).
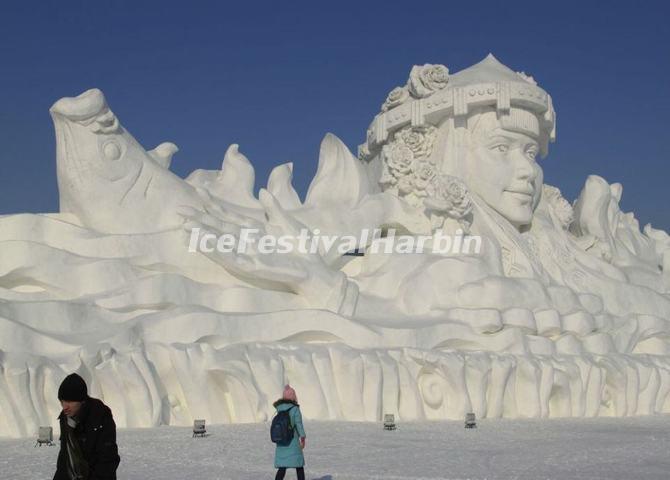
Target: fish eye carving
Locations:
point(111, 150)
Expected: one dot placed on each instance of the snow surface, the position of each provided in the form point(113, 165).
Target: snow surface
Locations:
point(556, 449)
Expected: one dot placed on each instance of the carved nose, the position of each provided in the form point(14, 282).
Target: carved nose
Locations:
point(525, 168)
point(527, 172)
point(88, 104)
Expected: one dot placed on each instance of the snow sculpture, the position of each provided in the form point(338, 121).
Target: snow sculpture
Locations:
point(562, 310)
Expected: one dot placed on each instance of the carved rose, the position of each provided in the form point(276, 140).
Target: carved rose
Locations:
point(562, 208)
point(397, 96)
point(427, 79)
point(398, 157)
point(450, 197)
point(418, 139)
point(424, 175)
point(405, 165)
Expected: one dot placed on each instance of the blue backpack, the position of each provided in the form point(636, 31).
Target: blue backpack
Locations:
point(281, 430)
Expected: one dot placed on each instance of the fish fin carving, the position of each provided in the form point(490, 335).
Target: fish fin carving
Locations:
point(340, 178)
point(163, 153)
point(280, 186)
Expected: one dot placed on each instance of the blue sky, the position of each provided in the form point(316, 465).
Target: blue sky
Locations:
point(275, 77)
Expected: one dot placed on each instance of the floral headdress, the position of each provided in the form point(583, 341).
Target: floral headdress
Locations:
point(423, 82)
point(432, 94)
point(409, 172)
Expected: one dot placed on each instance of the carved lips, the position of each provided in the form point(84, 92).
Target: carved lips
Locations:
point(522, 193)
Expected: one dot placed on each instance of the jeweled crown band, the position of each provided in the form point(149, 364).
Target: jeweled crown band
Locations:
point(432, 95)
point(459, 101)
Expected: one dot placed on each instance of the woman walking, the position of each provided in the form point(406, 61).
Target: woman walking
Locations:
point(289, 455)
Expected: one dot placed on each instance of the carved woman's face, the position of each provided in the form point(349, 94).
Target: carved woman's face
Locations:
point(501, 168)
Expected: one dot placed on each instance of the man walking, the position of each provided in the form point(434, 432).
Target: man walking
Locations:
point(88, 448)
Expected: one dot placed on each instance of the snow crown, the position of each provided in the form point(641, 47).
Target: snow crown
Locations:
point(432, 95)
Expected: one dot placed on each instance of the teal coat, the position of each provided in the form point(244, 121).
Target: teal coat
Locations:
point(290, 456)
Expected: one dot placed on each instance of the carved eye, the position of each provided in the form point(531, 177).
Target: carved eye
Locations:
point(111, 150)
point(531, 152)
point(500, 148)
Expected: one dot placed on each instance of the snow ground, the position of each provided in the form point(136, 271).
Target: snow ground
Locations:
point(556, 449)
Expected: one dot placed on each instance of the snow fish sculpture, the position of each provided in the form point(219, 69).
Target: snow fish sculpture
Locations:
point(106, 178)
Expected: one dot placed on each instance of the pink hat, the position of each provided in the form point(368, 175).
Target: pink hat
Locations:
point(289, 394)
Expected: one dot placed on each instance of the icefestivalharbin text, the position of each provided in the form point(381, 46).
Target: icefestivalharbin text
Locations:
point(307, 242)
point(541, 307)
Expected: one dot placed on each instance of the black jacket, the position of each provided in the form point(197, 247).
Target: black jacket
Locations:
point(96, 433)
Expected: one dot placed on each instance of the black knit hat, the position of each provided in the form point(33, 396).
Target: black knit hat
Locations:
point(73, 389)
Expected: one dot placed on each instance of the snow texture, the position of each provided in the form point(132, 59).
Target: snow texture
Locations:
point(554, 449)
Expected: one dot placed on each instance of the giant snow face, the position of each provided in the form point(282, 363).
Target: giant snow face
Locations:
point(501, 168)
